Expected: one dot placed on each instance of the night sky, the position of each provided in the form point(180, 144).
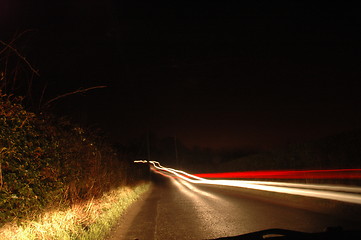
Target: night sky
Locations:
point(217, 74)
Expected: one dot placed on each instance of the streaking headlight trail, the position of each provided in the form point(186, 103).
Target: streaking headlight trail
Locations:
point(290, 174)
point(348, 194)
point(140, 161)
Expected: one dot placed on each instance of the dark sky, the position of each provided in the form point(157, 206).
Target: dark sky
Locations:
point(218, 74)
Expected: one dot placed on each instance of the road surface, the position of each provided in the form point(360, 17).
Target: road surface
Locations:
point(175, 209)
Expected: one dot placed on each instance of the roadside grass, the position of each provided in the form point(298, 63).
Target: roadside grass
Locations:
point(84, 221)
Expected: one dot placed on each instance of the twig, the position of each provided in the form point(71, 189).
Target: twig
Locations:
point(1, 174)
point(1, 177)
point(16, 37)
point(21, 56)
point(71, 93)
point(42, 95)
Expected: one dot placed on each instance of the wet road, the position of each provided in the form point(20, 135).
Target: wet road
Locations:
point(175, 209)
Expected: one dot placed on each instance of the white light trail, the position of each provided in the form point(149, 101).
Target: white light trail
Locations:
point(140, 161)
point(194, 189)
point(339, 193)
point(311, 186)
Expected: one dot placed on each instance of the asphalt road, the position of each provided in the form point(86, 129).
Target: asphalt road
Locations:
point(175, 209)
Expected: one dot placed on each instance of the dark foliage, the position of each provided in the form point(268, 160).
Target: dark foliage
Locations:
point(46, 162)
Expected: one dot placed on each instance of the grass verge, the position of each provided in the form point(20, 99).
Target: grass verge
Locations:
point(89, 220)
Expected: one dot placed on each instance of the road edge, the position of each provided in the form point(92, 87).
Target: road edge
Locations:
point(120, 228)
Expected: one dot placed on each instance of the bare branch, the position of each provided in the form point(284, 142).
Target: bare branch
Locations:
point(42, 95)
point(16, 37)
point(20, 56)
point(1, 177)
point(71, 93)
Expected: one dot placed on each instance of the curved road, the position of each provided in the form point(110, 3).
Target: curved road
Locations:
point(175, 209)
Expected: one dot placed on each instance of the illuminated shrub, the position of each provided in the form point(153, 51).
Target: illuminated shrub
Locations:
point(45, 161)
point(29, 162)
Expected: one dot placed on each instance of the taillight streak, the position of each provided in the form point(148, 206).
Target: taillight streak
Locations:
point(289, 174)
point(340, 193)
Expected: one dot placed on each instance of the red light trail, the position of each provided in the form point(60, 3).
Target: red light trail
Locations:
point(350, 194)
point(288, 174)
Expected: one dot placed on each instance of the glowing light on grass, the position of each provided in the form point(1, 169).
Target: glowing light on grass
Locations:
point(332, 192)
point(86, 220)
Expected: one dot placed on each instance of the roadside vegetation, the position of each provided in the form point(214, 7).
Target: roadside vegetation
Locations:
point(92, 219)
point(58, 180)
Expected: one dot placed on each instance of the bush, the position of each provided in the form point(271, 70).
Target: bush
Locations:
point(46, 161)
point(29, 162)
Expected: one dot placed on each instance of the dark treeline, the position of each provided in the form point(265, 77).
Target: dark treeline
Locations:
point(341, 151)
point(332, 152)
point(172, 152)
